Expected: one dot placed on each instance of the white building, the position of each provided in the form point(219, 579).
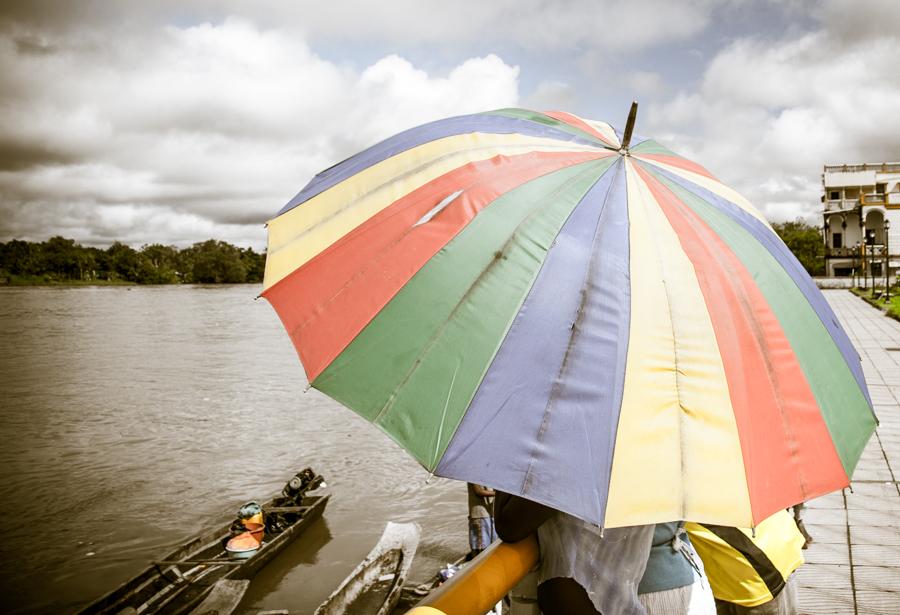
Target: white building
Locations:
point(858, 199)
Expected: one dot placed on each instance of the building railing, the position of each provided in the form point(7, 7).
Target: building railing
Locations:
point(841, 204)
point(855, 252)
point(884, 167)
point(838, 252)
point(874, 198)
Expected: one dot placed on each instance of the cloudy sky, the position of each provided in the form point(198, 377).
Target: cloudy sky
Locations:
point(179, 121)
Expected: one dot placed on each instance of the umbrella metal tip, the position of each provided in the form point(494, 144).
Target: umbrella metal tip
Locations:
point(629, 127)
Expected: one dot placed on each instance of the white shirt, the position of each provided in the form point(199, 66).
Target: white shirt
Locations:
point(608, 568)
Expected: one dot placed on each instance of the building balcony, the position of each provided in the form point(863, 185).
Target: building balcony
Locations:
point(882, 167)
point(874, 198)
point(841, 205)
point(841, 252)
point(876, 251)
point(870, 199)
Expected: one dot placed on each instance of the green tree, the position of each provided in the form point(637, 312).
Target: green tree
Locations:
point(216, 262)
point(21, 258)
point(65, 259)
point(159, 265)
point(805, 242)
point(100, 260)
point(210, 262)
point(124, 262)
point(254, 263)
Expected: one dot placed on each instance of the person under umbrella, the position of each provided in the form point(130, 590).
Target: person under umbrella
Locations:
point(581, 571)
point(751, 571)
point(585, 570)
point(481, 519)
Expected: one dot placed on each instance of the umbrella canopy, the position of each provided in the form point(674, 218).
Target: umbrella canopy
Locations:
point(520, 301)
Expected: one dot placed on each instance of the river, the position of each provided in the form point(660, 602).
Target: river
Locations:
point(135, 417)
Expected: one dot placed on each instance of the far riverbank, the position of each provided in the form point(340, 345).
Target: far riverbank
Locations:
point(20, 281)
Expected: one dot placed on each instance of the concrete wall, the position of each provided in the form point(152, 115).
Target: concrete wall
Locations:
point(834, 282)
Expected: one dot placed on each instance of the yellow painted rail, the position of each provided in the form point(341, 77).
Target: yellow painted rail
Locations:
point(481, 584)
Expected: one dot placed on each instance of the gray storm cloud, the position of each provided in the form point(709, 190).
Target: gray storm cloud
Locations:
point(174, 122)
point(173, 131)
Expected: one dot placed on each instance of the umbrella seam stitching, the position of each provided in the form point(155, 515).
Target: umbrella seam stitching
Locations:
point(499, 254)
point(575, 329)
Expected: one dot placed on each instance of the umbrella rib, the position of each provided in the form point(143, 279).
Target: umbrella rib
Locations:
point(437, 444)
point(681, 408)
point(776, 392)
point(763, 346)
point(374, 265)
point(575, 330)
point(497, 256)
point(771, 374)
point(508, 150)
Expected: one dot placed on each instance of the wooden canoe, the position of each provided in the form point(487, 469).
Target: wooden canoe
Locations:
point(411, 594)
point(374, 586)
point(224, 598)
point(178, 582)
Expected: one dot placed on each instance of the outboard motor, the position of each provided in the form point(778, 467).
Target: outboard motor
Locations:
point(301, 482)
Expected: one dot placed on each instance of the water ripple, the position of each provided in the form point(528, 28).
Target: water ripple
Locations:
point(134, 419)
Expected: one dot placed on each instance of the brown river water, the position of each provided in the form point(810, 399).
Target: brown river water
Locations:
point(136, 417)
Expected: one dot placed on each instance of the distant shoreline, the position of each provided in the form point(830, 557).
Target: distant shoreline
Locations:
point(62, 262)
point(19, 282)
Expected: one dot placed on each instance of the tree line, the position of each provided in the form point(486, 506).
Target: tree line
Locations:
point(62, 260)
point(211, 262)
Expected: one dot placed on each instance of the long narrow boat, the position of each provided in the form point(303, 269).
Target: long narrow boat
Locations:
point(417, 594)
point(178, 582)
point(412, 594)
point(374, 586)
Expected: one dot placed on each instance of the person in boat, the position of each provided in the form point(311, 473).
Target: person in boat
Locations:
point(751, 571)
point(481, 519)
point(584, 570)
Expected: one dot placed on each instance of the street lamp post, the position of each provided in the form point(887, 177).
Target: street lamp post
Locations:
point(864, 255)
point(887, 261)
point(857, 269)
point(872, 266)
point(868, 267)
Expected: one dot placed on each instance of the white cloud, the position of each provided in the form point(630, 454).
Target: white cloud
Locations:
point(209, 127)
point(218, 123)
point(769, 114)
point(476, 85)
point(860, 19)
point(535, 24)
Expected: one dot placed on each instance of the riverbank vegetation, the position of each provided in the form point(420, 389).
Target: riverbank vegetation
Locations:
point(62, 261)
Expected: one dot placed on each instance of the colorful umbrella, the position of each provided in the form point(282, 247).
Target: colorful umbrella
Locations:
point(529, 301)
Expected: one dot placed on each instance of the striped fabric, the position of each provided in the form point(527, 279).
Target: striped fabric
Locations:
point(749, 568)
point(616, 334)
